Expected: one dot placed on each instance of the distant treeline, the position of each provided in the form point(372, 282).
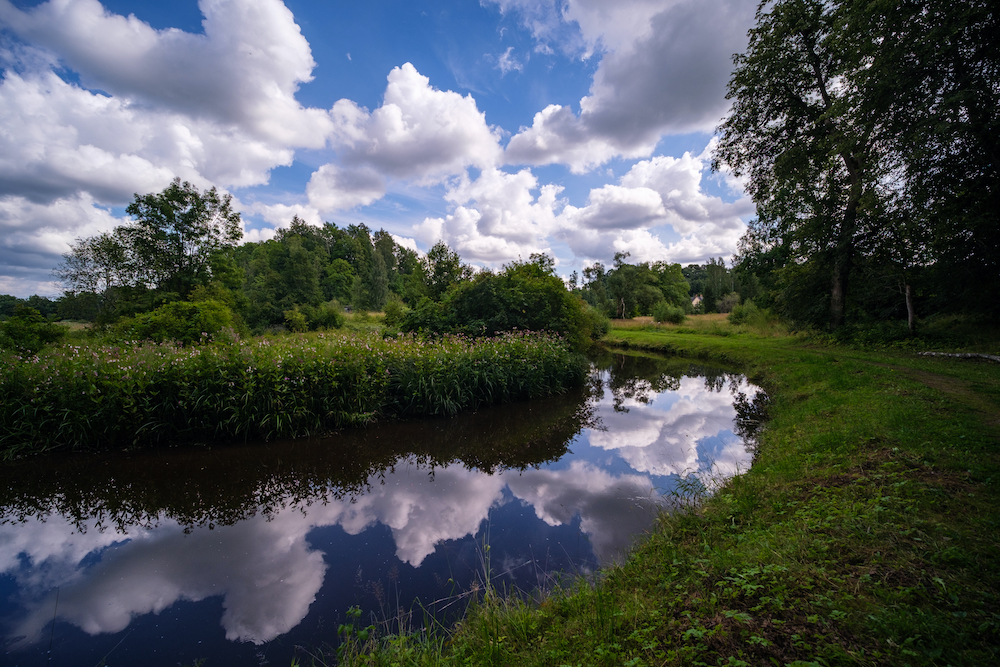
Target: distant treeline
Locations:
point(179, 271)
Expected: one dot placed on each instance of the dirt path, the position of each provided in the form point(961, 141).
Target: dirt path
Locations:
point(957, 390)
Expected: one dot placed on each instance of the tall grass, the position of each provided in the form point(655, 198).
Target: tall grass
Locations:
point(80, 397)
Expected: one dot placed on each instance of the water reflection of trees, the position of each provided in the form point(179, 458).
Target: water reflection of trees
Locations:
point(633, 378)
point(751, 415)
point(224, 485)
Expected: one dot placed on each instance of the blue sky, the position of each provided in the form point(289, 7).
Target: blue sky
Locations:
point(504, 127)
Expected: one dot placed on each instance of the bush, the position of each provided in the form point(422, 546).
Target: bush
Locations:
point(743, 313)
point(597, 320)
point(296, 320)
point(183, 321)
point(665, 312)
point(395, 311)
point(524, 296)
point(27, 331)
point(325, 316)
point(728, 302)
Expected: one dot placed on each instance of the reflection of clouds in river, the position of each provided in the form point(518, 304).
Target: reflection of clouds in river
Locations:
point(692, 433)
point(53, 546)
point(613, 509)
point(422, 511)
point(264, 570)
point(268, 575)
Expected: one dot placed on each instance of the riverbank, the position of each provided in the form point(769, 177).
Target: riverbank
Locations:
point(92, 397)
point(865, 533)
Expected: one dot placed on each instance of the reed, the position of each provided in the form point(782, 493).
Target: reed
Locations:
point(95, 397)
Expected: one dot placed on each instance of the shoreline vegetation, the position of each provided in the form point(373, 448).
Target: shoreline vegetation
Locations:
point(866, 531)
point(91, 397)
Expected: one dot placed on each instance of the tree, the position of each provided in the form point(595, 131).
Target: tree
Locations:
point(175, 242)
point(672, 283)
point(718, 283)
point(444, 268)
point(174, 234)
point(930, 88)
point(796, 132)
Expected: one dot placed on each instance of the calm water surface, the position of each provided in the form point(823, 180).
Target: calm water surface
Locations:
point(238, 554)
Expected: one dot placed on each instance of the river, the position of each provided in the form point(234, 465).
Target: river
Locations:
point(239, 554)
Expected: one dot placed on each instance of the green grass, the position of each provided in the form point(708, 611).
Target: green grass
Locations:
point(88, 397)
point(867, 531)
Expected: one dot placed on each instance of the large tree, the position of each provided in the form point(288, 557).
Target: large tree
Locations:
point(795, 132)
point(868, 133)
point(176, 233)
point(174, 243)
point(930, 89)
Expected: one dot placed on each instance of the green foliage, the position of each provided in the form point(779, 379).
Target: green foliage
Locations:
point(664, 312)
point(628, 290)
point(106, 397)
point(326, 316)
point(26, 332)
point(443, 269)
point(296, 320)
point(185, 322)
point(743, 313)
point(931, 80)
point(727, 302)
point(7, 305)
point(395, 312)
point(176, 241)
point(596, 321)
point(525, 296)
point(868, 134)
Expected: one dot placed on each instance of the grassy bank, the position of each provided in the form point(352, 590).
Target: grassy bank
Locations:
point(867, 531)
point(97, 397)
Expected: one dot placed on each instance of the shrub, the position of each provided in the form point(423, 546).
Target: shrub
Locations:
point(743, 313)
point(325, 316)
point(395, 311)
point(27, 331)
point(665, 312)
point(183, 321)
point(296, 320)
point(524, 296)
point(597, 320)
point(728, 302)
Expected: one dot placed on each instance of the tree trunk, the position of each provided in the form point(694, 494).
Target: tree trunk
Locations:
point(842, 261)
point(911, 315)
point(837, 293)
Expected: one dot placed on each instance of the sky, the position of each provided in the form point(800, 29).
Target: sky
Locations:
point(577, 128)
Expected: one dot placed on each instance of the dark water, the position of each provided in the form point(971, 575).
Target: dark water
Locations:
point(238, 554)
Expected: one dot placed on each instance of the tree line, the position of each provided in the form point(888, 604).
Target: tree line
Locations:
point(179, 270)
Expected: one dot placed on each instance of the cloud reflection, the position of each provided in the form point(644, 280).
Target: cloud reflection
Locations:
point(688, 432)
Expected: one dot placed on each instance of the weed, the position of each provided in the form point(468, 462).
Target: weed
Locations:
point(92, 397)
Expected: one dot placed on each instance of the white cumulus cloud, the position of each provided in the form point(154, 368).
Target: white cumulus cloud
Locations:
point(497, 218)
point(216, 109)
point(664, 69)
point(419, 132)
